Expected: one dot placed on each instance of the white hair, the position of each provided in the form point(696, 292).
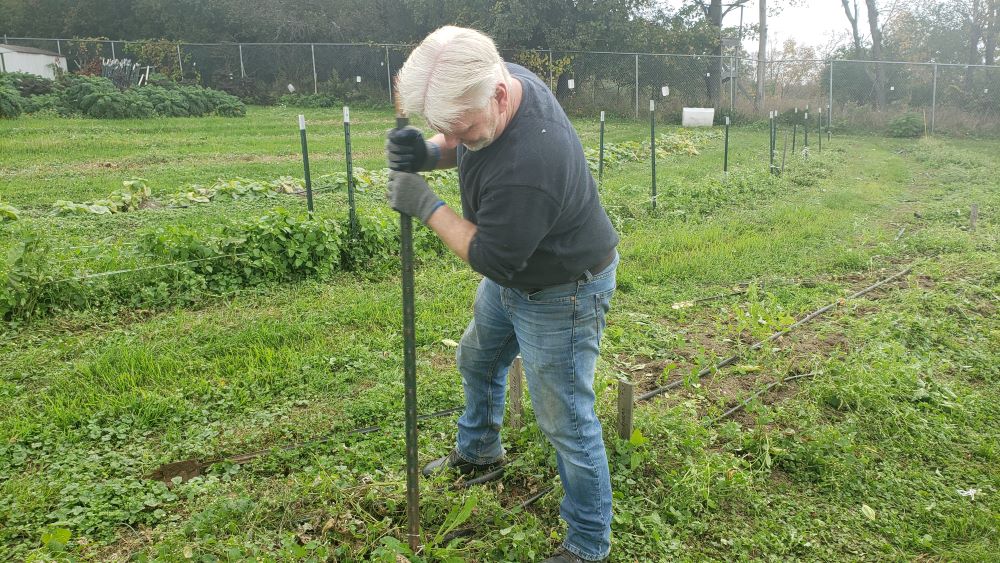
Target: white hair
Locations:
point(453, 70)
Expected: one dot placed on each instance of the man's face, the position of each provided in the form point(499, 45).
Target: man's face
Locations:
point(476, 129)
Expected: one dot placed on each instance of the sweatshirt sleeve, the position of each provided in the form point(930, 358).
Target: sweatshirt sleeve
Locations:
point(511, 222)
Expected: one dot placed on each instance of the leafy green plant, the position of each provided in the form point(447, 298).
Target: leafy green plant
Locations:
point(132, 196)
point(8, 212)
point(909, 125)
point(25, 283)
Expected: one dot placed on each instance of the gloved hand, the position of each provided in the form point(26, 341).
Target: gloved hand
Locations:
point(407, 151)
point(409, 193)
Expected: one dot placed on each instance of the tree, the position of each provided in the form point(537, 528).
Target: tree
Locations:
point(852, 16)
point(761, 57)
point(880, 100)
point(714, 14)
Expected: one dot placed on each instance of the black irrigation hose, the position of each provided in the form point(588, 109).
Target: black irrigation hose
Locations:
point(747, 401)
point(736, 357)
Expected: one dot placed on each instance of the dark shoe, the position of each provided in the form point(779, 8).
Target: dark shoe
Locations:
point(563, 556)
point(455, 461)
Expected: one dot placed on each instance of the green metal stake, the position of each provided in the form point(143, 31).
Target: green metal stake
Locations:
point(350, 173)
point(805, 133)
point(305, 164)
point(820, 131)
point(409, 372)
point(725, 158)
point(652, 144)
point(795, 125)
point(600, 158)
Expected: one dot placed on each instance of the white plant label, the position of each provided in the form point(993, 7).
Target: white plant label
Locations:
point(665, 91)
point(347, 114)
point(727, 120)
point(357, 79)
point(652, 105)
point(302, 123)
point(892, 88)
point(602, 116)
point(571, 83)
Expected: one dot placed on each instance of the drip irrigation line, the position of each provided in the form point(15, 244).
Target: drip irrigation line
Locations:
point(736, 357)
point(143, 268)
point(470, 531)
point(749, 399)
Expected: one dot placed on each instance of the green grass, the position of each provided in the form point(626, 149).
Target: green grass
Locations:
point(899, 414)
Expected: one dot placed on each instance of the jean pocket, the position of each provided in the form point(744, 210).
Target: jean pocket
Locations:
point(563, 293)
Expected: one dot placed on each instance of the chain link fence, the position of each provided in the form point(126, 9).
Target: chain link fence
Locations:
point(853, 95)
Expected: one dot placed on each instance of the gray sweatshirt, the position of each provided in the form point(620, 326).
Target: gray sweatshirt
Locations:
point(532, 197)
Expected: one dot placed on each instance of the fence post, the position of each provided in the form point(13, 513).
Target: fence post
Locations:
point(3, 64)
point(312, 48)
point(112, 49)
point(243, 72)
point(637, 86)
point(388, 73)
point(934, 99)
point(59, 46)
point(180, 64)
point(551, 86)
point(830, 117)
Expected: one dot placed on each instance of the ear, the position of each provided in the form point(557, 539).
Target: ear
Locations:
point(502, 95)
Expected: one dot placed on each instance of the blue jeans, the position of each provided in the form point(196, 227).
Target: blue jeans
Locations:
point(557, 331)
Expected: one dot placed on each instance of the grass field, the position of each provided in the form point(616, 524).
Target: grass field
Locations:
point(889, 449)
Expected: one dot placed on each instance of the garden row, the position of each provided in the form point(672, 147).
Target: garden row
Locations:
point(178, 265)
point(98, 97)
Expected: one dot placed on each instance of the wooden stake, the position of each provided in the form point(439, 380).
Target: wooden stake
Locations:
point(515, 378)
point(625, 403)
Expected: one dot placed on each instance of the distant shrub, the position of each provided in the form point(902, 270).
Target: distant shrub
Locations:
point(27, 84)
point(10, 102)
point(909, 125)
point(43, 102)
point(311, 101)
point(95, 96)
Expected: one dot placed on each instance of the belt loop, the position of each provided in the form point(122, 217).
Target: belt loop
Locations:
point(589, 276)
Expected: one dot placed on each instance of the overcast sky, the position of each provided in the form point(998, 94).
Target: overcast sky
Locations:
point(816, 22)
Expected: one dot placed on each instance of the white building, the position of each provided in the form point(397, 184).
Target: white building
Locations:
point(15, 58)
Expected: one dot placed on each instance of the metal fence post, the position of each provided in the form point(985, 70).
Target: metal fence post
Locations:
point(934, 99)
point(551, 86)
point(112, 49)
point(3, 64)
point(830, 117)
point(59, 46)
point(180, 64)
point(388, 73)
point(243, 72)
point(312, 48)
point(637, 86)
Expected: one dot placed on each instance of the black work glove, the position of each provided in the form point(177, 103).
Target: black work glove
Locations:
point(409, 193)
point(407, 151)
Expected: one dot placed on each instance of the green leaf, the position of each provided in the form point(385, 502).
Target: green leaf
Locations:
point(868, 512)
point(637, 439)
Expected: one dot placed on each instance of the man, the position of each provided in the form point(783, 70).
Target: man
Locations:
point(534, 227)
